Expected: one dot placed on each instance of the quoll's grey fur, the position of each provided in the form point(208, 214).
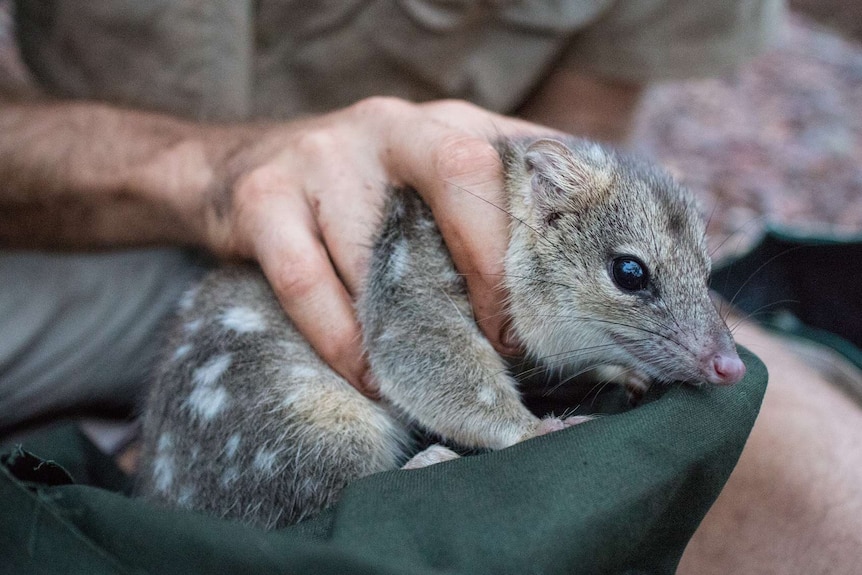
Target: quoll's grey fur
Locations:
point(606, 266)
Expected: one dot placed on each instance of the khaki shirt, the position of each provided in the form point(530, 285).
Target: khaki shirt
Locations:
point(237, 59)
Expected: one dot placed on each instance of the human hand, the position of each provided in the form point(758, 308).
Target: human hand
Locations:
point(303, 199)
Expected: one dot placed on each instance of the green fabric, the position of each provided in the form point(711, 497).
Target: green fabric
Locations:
point(621, 494)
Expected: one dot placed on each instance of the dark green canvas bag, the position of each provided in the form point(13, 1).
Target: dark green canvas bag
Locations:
point(622, 494)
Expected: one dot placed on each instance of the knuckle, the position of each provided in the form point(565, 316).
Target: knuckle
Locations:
point(297, 276)
point(315, 143)
point(380, 105)
point(461, 154)
point(255, 184)
point(454, 107)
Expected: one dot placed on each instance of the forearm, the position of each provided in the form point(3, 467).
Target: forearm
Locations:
point(88, 175)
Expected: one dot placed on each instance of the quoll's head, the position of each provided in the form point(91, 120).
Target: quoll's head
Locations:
point(608, 264)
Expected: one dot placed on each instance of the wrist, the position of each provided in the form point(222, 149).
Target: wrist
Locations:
point(192, 178)
point(173, 178)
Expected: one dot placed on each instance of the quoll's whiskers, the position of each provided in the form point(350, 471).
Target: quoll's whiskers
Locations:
point(760, 268)
point(550, 363)
point(562, 318)
point(738, 232)
point(760, 311)
point(573, 376)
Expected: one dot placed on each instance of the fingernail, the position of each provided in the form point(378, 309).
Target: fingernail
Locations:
point(509, 340)
point(369, 386)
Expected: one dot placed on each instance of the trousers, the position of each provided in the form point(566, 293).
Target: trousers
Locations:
point(82, 330)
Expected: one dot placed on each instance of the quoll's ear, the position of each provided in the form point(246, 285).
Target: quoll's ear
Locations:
point(560, 173)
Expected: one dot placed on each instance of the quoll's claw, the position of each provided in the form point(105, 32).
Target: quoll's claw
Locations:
point(637, 383)
point(577, 419)
point(551, 424)
point(434, 454)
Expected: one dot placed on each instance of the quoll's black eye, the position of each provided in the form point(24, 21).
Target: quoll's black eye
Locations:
point(629, 273)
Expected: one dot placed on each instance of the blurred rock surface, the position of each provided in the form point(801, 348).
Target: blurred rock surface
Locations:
point(778, 141)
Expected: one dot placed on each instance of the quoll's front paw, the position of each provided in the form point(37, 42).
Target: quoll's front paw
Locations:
point(434, 454)
point(551, 424)
point(635, 383)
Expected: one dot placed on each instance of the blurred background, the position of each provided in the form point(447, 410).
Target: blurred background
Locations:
point(780, 140)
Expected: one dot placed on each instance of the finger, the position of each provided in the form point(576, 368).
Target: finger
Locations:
point(311, 293)
point(463, 167)
point(479, 122)
point(460, 177)
point(348, 220)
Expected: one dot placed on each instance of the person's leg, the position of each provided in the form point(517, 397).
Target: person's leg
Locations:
point(81, 330)
point(793, 505)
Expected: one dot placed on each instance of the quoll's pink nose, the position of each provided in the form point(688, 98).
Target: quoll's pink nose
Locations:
point(726, 370)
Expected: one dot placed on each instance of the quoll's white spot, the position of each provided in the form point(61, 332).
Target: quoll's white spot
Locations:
point(399, 260)
point(206, 402)
point(427, 223)
point(187, 300)
point(230, 475)
point(206, 399)
point(182, 351)
point(303, 371)
point(186, 496)
point(210, 372)
point(398, 210)
point(163, 472)
point(293, 348)
point(487, 395)
point(166, 442)
point(163, 465)
point(387, 335)
point(243, 319)
point(264, 460)
point(232, 445)
point(288, 346)
point(596, 154)
point(193, 326)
